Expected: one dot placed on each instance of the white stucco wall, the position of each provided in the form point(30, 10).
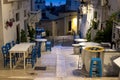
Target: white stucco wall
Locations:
point(114, 6)
point(9, 11)
point(1, 28)
point(6, 14)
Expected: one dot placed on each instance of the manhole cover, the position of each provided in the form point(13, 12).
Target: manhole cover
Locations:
point(40, 68)
point(32, 73)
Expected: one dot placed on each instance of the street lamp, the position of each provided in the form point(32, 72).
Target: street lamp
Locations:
point(83, 7)
point(81, 11)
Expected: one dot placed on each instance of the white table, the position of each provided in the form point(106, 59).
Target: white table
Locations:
point(76, 48)
point(42, 43)
point(20, 48)
point(87, 44)
point(80, 63)
point(40, 40)
point(80, 40)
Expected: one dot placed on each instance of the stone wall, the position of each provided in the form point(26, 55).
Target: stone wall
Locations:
point(110, 68)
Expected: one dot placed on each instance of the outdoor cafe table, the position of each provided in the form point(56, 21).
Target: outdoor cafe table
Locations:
point(20, 48)
point(80, 40)
point(93, 51)
point(77, 46)
point(42, 40)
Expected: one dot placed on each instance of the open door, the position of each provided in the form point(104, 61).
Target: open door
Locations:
point(18, 33)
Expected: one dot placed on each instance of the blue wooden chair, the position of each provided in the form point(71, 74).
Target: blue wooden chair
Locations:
point(6, 56)
point(13, 43)
point(8, 46)
point(38, 51)
point(38, 37)
point(48, 45)
point(31, 59)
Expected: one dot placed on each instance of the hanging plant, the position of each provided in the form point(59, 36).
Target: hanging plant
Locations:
point(9, 23)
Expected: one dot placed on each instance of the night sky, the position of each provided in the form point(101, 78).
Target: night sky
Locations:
point(55, 2)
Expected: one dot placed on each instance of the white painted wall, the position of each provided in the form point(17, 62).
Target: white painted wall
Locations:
point(1, 28)
point(114, 6)
point(9, 11)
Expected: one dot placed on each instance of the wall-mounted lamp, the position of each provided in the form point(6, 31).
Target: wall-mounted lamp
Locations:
point(82, 2)
point(84, 9)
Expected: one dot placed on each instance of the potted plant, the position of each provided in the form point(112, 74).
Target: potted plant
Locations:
point(31, 33)
point(23, 36)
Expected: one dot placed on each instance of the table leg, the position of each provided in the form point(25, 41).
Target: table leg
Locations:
point(10, 61)
point(24, 60)
point(80, 64)
point(39, 49)
point(43, 48)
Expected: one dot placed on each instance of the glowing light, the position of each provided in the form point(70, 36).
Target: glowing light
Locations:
point(75, 21)
point(84, 9)
point(74, 24)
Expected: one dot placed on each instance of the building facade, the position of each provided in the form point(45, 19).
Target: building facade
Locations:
point(102, 11)
point(38, 5)
point(99, 10)
point(64, 24)
point(72, 5)
point(13, 18)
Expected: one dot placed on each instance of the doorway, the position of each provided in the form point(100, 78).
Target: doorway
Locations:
point(18, 33)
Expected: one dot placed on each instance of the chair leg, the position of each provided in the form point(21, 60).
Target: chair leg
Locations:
point(91, 65)
point(32, 62)
point(5, 63)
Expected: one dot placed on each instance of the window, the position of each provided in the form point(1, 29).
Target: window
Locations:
point(17, 17)
point(25, 12)
point(18, 33)
point(19, 5)
point(69, 26)
point(25, 26)
point(95, 14)
point(38, 6)
point(43, 14)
